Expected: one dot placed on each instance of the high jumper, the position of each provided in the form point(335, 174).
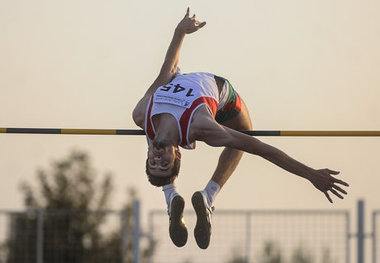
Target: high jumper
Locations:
point(179, 109)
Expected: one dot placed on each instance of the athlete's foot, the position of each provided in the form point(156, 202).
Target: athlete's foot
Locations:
point(177, 227)
point(203, 209)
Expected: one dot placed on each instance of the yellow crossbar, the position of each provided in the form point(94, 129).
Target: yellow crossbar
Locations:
point(141, 132)
point(330, 133)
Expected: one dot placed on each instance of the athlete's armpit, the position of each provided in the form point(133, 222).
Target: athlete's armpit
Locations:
point(213, 133)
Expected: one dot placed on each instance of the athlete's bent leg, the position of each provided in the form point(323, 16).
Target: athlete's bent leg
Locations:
point(230, 158)
point(228, 161)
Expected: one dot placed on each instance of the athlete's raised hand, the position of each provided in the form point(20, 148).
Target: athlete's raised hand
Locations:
point(324, 181)
point(189, 24)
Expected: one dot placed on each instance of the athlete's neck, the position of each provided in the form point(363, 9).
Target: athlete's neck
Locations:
point(166, 129)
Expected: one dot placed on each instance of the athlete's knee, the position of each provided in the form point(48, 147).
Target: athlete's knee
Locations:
point(243, 122)
point(247, 125)
point(245, 119)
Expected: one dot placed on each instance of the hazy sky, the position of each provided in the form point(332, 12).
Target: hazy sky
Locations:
point(298, 65)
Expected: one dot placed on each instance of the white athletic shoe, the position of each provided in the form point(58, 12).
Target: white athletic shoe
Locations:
point(203, 209)
point(177, 227)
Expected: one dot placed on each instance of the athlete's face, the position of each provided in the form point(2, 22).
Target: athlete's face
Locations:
point(161, 158)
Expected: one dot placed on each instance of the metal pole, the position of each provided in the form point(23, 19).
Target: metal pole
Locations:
point(124, 234)
point(374, 237)
point(361, 234)
point(348, 249)
point(151, 230)
point(248, 238)
point(136, 232)
point(40, 237)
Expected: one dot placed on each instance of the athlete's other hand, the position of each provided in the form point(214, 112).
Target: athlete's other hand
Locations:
point(189, 24)
point(324, 181)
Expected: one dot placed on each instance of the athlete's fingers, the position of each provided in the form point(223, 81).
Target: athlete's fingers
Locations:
point(335, 179)
point(202, 24)
point(341, 182)
point(328, 197)
point(339, 189)
point(336, 193)
point(333, 172)
point(187, 12)
point(196, 22)
point(193, 17)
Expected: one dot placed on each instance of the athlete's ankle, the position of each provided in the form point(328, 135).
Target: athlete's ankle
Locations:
point(212, 189)
point(169, 191)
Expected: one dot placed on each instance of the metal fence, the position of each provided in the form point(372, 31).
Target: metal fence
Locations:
point(376, 236)
point(62, 236)
point(259, 236)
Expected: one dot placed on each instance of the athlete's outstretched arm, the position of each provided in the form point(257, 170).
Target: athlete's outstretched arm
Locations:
point(168, 70)
point(217, 135)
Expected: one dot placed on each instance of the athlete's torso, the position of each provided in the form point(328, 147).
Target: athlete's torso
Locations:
point(181, 98)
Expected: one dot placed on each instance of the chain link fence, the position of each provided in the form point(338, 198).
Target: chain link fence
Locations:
point(260, 237)
point(237, 237)
point(64, 236)
point(376, 236)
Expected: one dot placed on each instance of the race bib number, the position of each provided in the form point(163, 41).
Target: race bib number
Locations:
point(175, 94)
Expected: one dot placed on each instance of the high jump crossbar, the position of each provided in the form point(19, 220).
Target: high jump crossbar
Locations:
point(288, 133)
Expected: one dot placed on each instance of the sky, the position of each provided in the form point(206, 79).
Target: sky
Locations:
point(298, 65)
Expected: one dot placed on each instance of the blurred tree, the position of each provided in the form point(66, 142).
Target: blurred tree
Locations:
point(71, 206)
point(271, 254)
point(301, 255)
point(237, 257)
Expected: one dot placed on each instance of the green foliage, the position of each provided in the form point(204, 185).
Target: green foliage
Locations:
point(237, 257)
point(65, 201)
point(69, 185)
point(271, 254)
point(301, 255)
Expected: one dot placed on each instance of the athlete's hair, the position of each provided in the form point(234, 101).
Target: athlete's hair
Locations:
point(161, 181)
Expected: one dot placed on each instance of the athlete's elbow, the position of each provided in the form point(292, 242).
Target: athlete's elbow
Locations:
point(211, 138)
point(216, 143)
point(137, 118)
point(226, 141)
